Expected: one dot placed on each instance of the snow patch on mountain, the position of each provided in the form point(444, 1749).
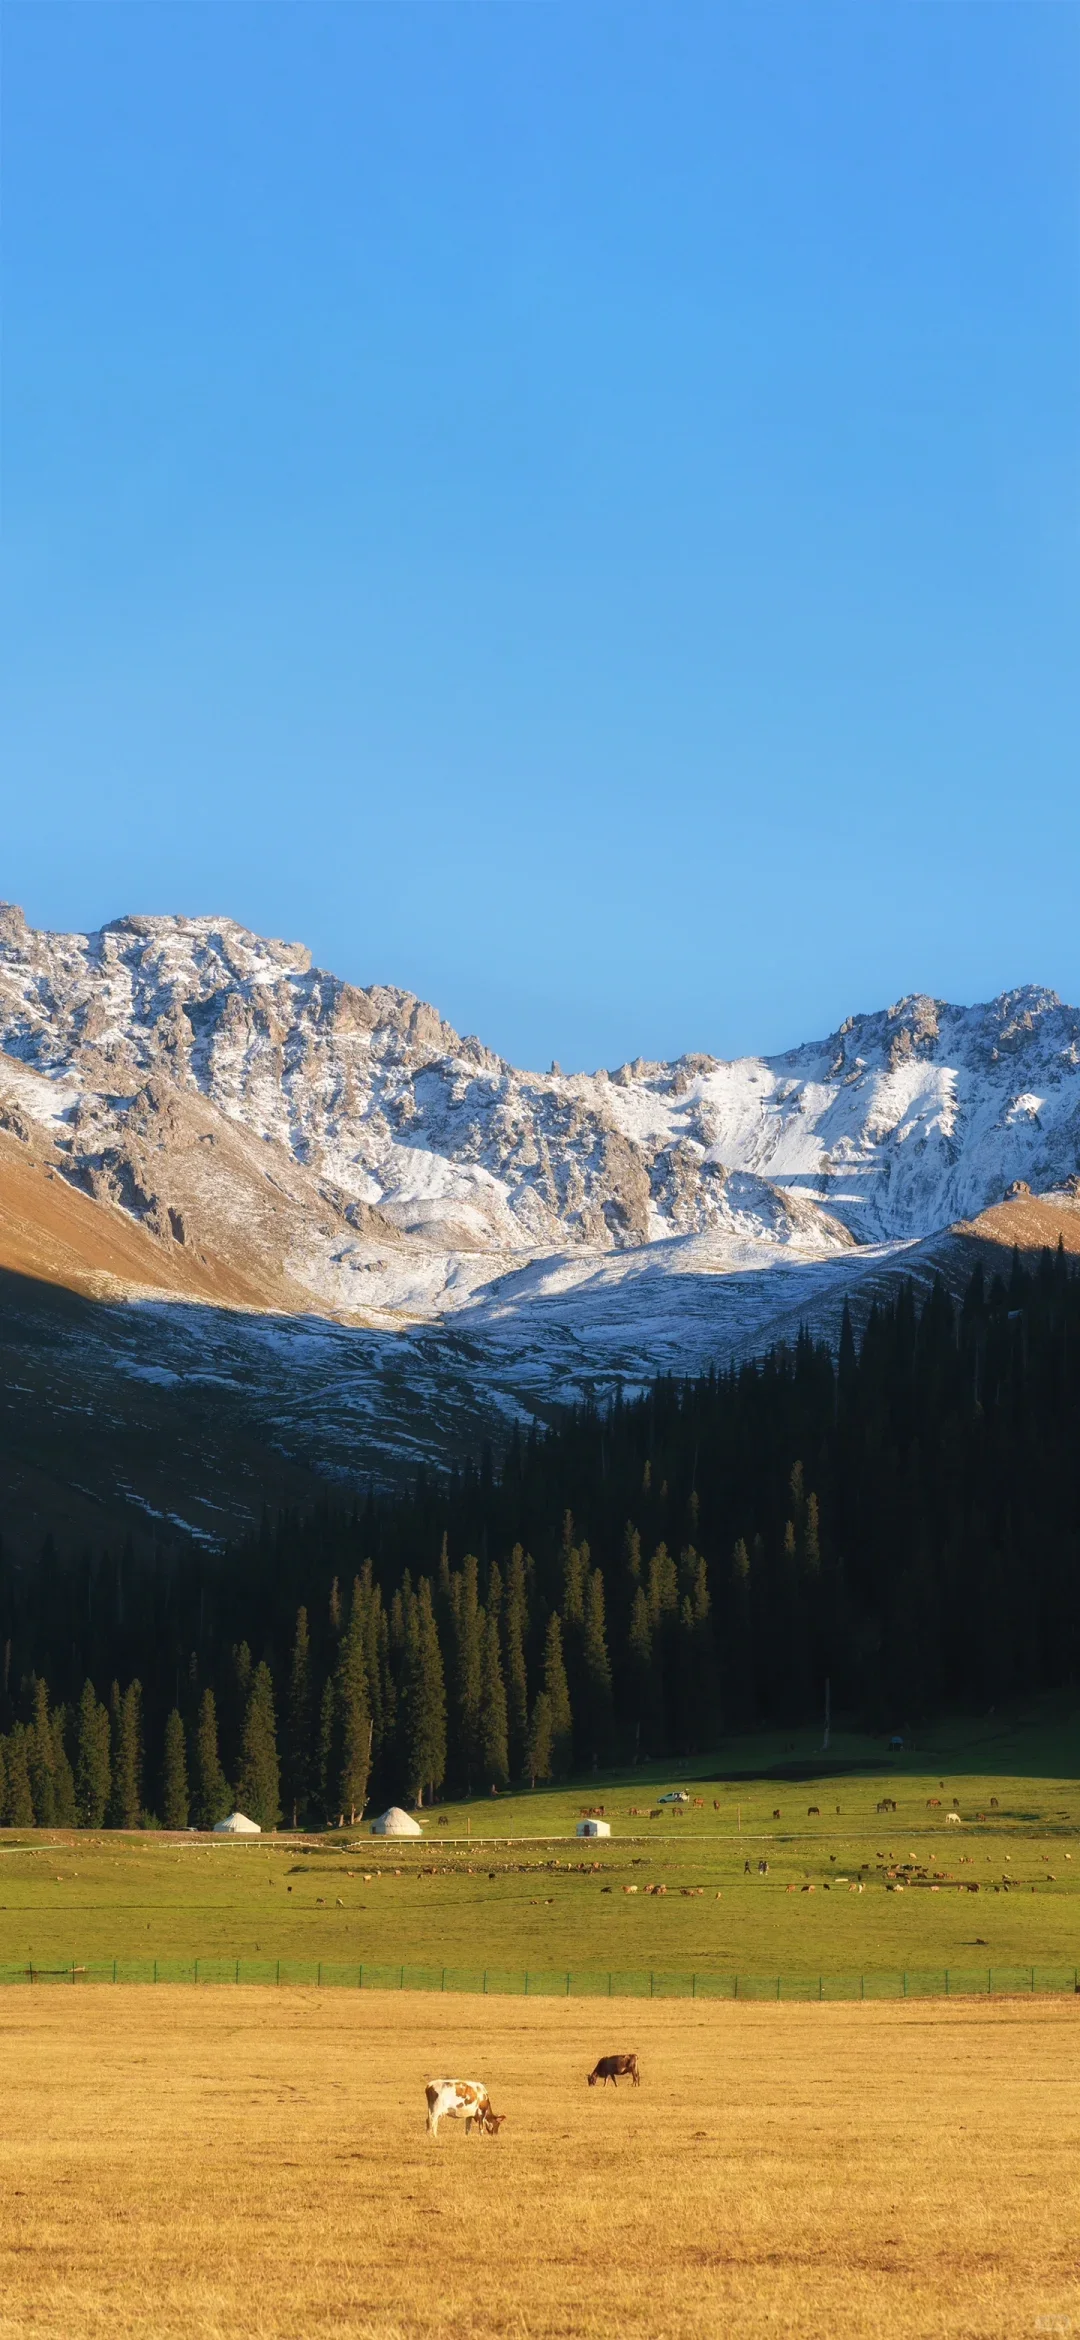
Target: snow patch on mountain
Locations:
point(347, 1148)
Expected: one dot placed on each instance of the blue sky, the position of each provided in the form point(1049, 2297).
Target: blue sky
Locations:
point(568, 508)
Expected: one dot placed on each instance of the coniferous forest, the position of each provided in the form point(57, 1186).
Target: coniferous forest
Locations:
point(901, 1518)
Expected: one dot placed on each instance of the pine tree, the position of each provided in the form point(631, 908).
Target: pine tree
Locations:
point(19, 1812)
point(423, 1701)
point(63, 1776)
point(465, 1740)
point(354, 1710)
point(174, 1788)
point(93, 1771)
point(597, 1673)
point(493, 1726)
point(326, 1768)
point(125, 1804)
point(539, 1750)
point(212, 1798)
point(298, 1736)
point(515, 1617)
point(40, 1758)
point(641, 1678)
point(558, 1697)
point(258, 1788)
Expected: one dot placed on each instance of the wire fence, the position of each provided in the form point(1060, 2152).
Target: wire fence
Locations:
point(494, 1982)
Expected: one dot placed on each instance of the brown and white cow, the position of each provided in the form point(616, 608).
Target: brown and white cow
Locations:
point(461, 2100)
point(616, 2068)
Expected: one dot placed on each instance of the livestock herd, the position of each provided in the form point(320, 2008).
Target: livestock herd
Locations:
point(468, 2100)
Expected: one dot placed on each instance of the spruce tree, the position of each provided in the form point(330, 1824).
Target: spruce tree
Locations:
point(354, 1710)
point(558, 1697)
point(326, 1766)
point(539, 1747)
point(465, 1740)
point(258, 1789)
point(174, 1788)
point(641, 1678)
point(125, 1810)
point(298, 1736)
point(63, 1776)
point(515, 1617)
point(40, 1758)
point(93, 1770)
point(212, 1798)
point(423, 1700)
point(492, 1727)
point(20, 1803)
point(597, 1674)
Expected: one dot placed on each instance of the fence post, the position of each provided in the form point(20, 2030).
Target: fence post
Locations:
point(819, 1989)
point(155, 1971)
point(236, 1977)
point(904, 1991)
point(778, 1986)
point(442, 1985)
point(1032, 1978)
point(277, 1977)
point(736, 1990)
point(485, 1981)
point(567, 1986)
point(401, 1980)
point(609, 1986)
point(862, 1986)
point(318, 1976)
point(946, 1982)
point(652, 1984)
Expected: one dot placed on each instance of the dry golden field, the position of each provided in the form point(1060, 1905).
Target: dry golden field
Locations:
point(197, 2165)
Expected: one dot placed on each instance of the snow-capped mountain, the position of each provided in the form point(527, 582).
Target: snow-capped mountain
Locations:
point(344, 1148)
point(338, 1238)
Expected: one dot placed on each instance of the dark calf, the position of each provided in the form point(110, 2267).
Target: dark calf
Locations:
point(616, 2068)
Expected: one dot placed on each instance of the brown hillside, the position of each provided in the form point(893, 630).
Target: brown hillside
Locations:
point(1029, 1222)
point(50, 1231)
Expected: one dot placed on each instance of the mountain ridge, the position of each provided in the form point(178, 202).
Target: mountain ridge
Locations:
point(346, 1145)
point(259, 1228)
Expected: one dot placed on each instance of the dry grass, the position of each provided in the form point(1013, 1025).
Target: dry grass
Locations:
point(211, 2164)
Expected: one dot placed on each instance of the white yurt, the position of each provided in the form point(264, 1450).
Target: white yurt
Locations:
point(237, 1824)
point(594, 1828)
point(395, 1822)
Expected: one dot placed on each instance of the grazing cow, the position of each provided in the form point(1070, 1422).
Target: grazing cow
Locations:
point(460, 2100)
point(813, 1811)
point(615, 2068)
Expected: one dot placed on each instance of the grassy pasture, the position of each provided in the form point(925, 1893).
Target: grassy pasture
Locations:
point(205, 2165)
point(530, 1901)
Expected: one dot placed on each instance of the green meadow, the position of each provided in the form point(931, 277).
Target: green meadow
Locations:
point(502, 1883)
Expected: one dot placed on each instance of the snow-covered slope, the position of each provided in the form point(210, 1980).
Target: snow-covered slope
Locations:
point(334, 1236)
point(345, 1149)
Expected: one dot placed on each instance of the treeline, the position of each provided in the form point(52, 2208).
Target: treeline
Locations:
point(901, 1519)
